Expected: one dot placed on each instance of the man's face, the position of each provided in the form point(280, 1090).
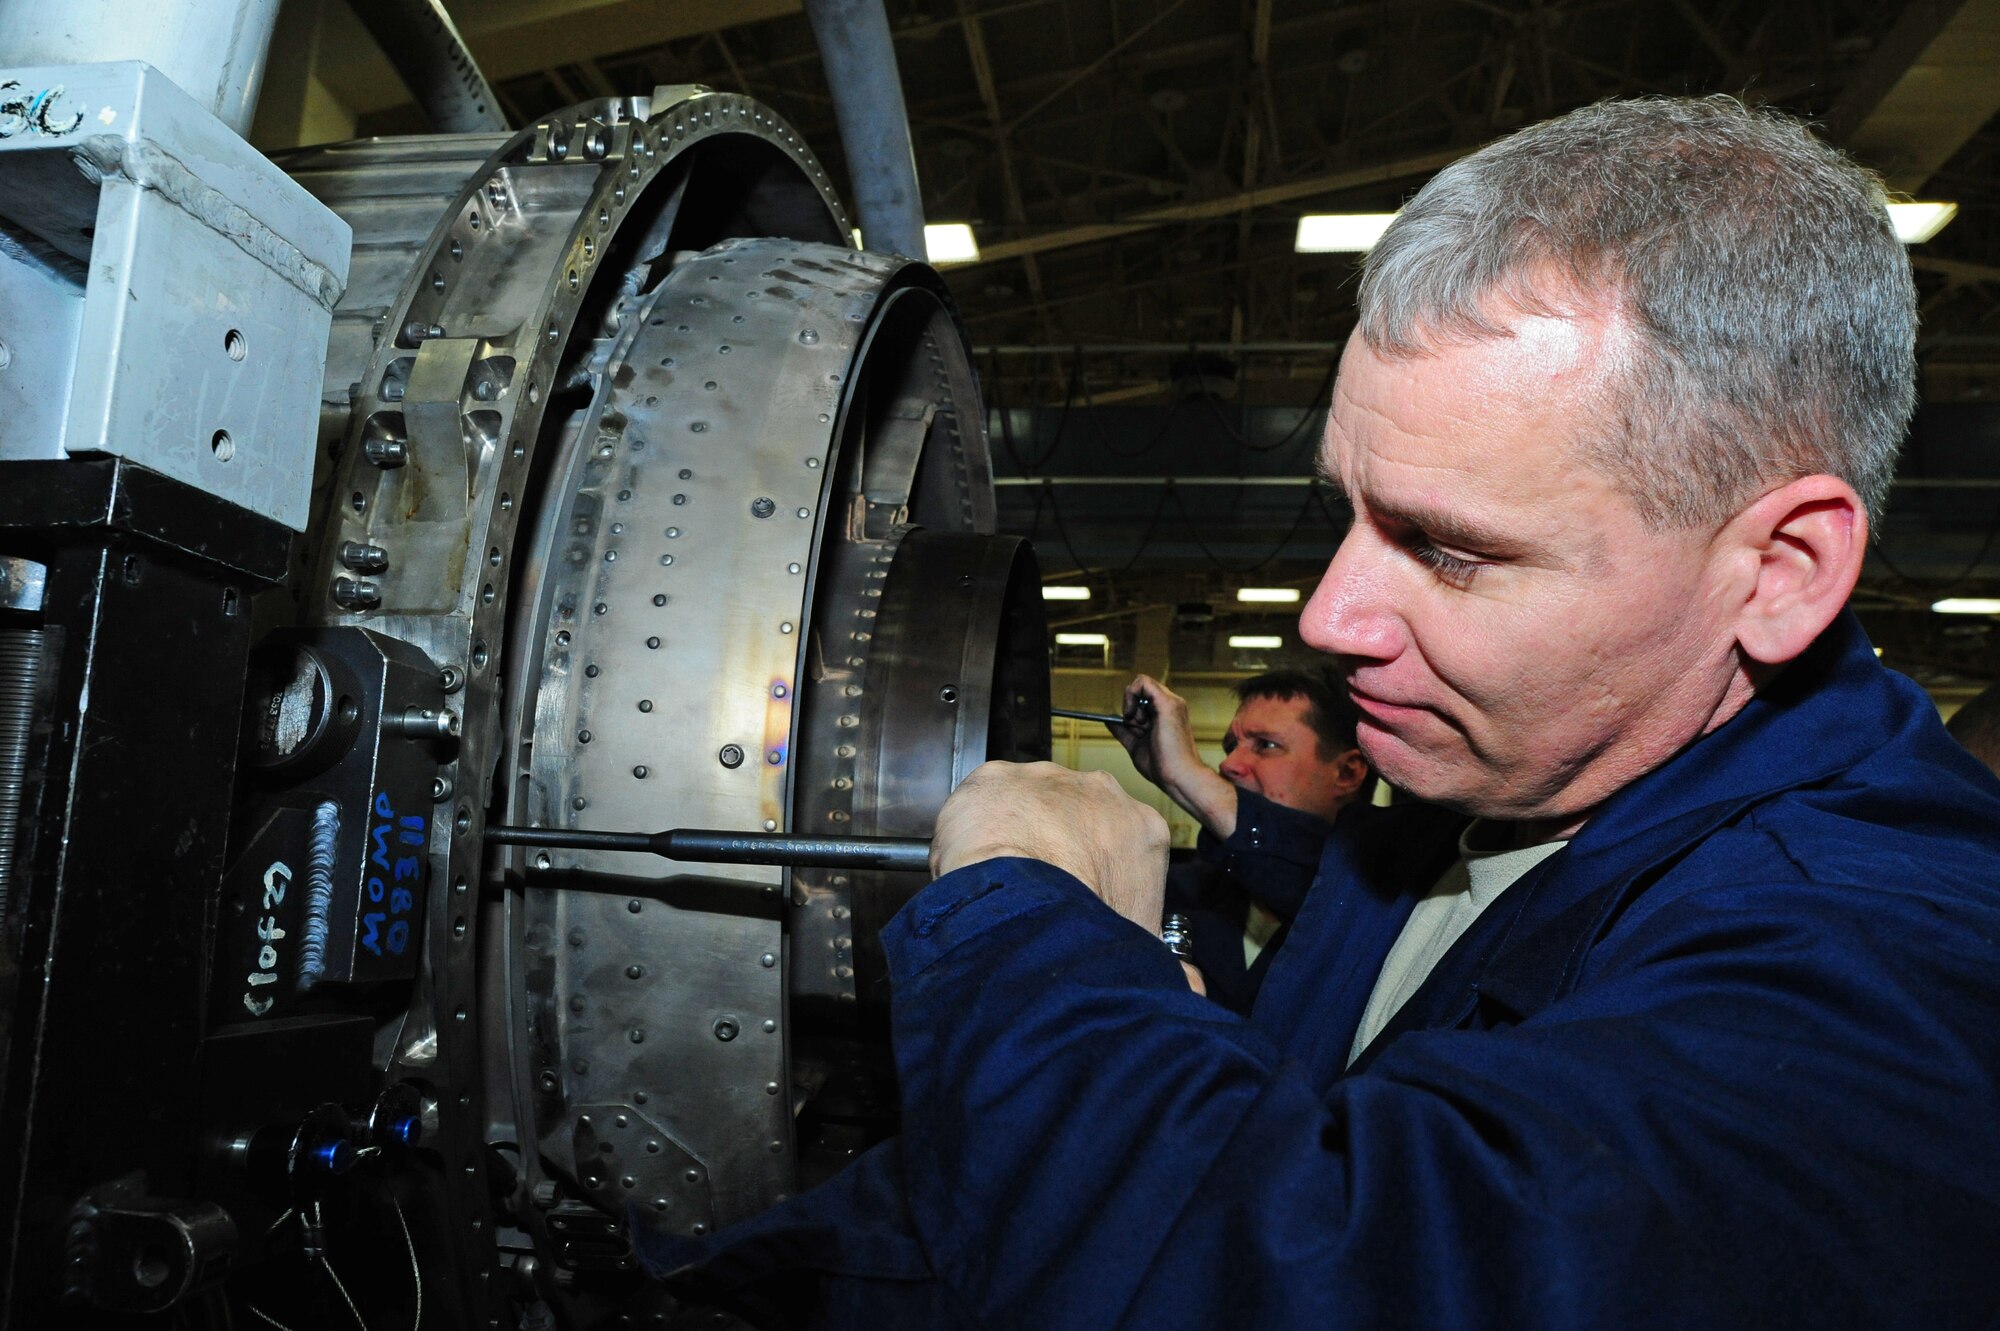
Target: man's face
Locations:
point(1520, 644)
point(1273, 751)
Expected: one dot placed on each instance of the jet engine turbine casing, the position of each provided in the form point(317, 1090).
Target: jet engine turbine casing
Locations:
point(688, 502)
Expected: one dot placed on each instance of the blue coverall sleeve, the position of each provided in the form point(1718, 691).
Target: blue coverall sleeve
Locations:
point(1746, 1116)
point(1274, 853)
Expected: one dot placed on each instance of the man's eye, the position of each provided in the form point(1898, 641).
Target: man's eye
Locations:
point(1449, 567)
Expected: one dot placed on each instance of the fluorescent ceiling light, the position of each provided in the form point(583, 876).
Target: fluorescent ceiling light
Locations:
point(1967, 605)
point(1916, 223)
point(1083, 640)
point(1340, 233)
point(856, 233)
point(950, 242)
point(1269, 595)
point(1065, 591)
point(1258, 641)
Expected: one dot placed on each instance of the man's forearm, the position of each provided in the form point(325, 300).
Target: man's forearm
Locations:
point(1207, 797)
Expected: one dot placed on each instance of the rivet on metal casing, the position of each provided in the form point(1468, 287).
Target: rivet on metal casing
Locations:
point(762, 507)
point(731, 755)
point(725, 1029)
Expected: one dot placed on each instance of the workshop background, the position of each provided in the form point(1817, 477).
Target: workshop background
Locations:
point(1156, 355)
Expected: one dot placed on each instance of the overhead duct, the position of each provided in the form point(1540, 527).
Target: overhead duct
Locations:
point(424, 45)
point(860, 61)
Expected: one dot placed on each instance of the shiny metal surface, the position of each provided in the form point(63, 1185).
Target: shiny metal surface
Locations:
point(20, 679)
point(212, 50)
point(774, 418)
point(689, 502)
point(165, 288)
point(486, 286)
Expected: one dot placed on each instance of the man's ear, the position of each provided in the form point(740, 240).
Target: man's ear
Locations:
point(1350, 770)
point(1796, 554)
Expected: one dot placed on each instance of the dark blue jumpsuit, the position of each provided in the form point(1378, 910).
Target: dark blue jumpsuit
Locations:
point(1730, 1059)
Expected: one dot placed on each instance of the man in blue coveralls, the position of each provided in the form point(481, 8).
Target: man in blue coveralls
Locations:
point(1716, 1043)
point(1292, 741)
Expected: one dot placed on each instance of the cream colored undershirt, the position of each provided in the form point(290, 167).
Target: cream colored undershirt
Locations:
point(1260, 925)
point(1473, 882)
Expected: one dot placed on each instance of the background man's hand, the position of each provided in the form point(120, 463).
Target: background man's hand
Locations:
point(1165, 755)
point(1080, 822)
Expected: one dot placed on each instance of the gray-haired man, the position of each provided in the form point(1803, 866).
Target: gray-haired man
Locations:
point(1723, 1051)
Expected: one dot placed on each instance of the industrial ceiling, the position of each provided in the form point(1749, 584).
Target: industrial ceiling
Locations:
point(1134, 170)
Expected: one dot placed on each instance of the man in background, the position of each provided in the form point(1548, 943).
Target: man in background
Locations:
point(1291, 744)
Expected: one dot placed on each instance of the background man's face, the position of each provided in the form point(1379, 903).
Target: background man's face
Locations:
point(1274, 752)
point(1519, 643)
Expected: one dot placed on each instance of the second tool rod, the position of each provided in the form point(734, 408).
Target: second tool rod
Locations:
point(695, 845)
point(1139, 716)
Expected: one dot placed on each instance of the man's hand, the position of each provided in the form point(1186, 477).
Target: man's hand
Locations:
point(1080, 822)
point(1165, 755)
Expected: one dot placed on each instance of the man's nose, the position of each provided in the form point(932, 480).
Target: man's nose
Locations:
point(1235, 765)
point(1351, 612)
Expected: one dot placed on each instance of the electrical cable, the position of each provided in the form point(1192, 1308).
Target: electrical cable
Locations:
point(1062, 531)
point(276, 1225)
point(1298, 520)
point(266, 1316)
point(1097, 424)
point(1006, 422)
point(1322, 400)
point(416, 1272)
point(1007, 429)
point(326, 1265)
point(1985, 547)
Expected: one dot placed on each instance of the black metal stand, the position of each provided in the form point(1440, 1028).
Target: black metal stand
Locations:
point(144, 629)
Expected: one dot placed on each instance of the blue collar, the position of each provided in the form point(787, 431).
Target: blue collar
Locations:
point(1824, 714)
